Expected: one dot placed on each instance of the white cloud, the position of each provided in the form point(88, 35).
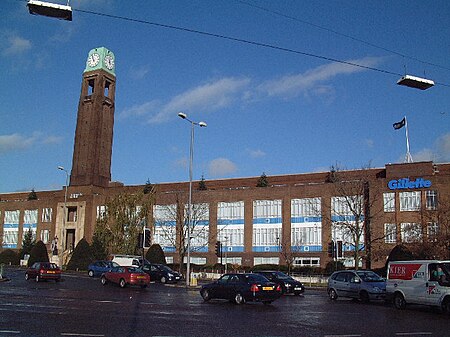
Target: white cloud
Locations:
point(440, 152)
point(16, 45)
point(256, 153)
point(139, 72)
point(207, 97)
point(293, 85)
point(17, 142)
point(221, 167)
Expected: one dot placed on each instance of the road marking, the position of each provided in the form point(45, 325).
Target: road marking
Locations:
point(80, 334)
point(342, 335)
point(116, 302)
point(9, 331)
point(413, 333)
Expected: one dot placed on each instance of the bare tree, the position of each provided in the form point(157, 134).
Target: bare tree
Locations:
point(352, 213)
point(171, 227)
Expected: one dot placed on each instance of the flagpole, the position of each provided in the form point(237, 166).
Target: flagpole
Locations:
point(408, 158)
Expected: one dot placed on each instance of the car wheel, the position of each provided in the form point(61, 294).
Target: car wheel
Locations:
point(37, 278)
point(122, 283)
point(364, 297)
point(298, 293)
point(163, 279)
point(399, 301)
point(333, 294)
point(27, 277)
point(205, 295)
point(104, 281)
point(239, 299)
point(446, 306)
point(91, 273)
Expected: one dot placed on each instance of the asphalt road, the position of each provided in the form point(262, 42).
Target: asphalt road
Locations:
point(81, 306)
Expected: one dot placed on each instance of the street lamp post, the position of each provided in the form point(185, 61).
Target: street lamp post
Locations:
point(65, 204)
point(191, 158)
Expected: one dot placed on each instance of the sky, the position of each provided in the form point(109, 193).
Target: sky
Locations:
point(285, 87)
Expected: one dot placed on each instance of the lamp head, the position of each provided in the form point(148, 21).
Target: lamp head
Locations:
point(61, 168)
point(202, 124)
point(182, 115)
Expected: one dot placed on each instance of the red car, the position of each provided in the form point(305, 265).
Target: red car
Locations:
point(43, 271)
point(124, 276)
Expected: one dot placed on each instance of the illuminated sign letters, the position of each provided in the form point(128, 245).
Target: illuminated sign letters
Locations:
point(405, 183)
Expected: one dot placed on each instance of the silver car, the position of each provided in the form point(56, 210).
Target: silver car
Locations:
point(360, 284)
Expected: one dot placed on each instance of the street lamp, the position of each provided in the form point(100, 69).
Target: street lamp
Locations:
point(65, 202)
point(63, 12)
point(191, 158)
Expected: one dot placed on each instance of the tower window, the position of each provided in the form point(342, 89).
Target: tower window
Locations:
point(106, 91)
point(91, 85)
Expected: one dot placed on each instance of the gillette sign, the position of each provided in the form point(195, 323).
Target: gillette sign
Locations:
point(405, 183)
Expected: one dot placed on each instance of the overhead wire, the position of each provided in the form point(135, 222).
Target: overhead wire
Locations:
point(236, 39)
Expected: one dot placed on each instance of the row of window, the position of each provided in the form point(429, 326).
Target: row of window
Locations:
point(410, 232)
point(410, 201)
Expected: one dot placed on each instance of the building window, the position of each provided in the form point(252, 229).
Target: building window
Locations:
point(389, 202)
point(11, 229)
point(267, 223)
point(307, 261)
point(306, 223)
point(390, 233)
point(411, 232)
point(72, 213)
point(410, 201)
point(432, 200)
point(101, 212)
point(266, 260)
point(165, 226)
point(199, 226)
point(230, 225)
point(433, 231)
point(47, 214)
point(230, 260)
point(196, 260)
point(45, 236)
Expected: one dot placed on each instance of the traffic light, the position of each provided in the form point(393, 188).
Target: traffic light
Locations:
point(218, 250)
point(339, 250)
point(147, 238)
point(140, 240)
point(331, 249)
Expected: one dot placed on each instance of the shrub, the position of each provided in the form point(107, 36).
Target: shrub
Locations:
point(38, 253)
point(81, 256)
point(9, 256)
point(155, 254)
point(333, 266)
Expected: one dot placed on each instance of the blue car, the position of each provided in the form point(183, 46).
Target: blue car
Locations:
point(97, 268)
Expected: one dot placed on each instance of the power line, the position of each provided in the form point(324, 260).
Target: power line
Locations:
point(341, 34)
point(255, 43)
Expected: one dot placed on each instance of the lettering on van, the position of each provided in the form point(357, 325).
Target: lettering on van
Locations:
point(404, 271)
point(405, 183)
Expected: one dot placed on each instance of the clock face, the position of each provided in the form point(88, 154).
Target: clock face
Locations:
point(93, 59)
point(109, 62)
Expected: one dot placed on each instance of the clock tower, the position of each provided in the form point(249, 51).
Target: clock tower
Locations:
point(91, 164)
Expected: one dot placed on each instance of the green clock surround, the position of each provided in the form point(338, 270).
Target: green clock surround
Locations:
point(101, 58)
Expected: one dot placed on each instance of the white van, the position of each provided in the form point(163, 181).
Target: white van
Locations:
point(419, 282)
point(127, 260)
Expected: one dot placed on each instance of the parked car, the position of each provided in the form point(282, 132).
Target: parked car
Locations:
point(43, 271)
point(127, 260)
point(288, 284)
point(424, 282)
point(97, 268)
point(240, 288)
point(361, 284)
point(161, 273)
point(124, 276)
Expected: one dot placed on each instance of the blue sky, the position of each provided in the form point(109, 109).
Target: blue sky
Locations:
point(268, 109)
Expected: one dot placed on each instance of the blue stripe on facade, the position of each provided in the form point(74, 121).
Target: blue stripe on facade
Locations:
point(225, 222)
point(233, 249)
point(11, 225)
point(305, 219)
point(345, 218)
point(10, 246)
point(306, 249)
point(266, 221)
point(202, 223)
point(29, 225)
point(262, 249)
point(169, 249)
point(199, 249)
point(165, 223)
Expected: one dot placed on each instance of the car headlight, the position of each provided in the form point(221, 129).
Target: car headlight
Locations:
point(170, 275)
point(287, 285)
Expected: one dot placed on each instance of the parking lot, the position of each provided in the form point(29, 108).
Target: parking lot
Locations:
point(82, 306)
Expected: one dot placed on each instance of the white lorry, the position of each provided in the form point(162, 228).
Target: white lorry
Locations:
point(424, 282)
point(127, 260)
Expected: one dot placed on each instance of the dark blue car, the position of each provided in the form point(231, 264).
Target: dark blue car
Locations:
point(97, 268)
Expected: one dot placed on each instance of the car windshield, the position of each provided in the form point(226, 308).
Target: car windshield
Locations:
point(135, 270)
point(255, 278)
point(369, 276)
point(282, 276)
point(165, 268)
